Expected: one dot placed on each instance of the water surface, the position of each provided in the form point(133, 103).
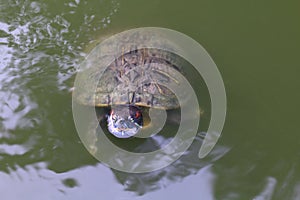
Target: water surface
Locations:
point(255, 46)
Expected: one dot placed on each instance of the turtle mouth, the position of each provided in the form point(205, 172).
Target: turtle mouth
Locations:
point(123, 125)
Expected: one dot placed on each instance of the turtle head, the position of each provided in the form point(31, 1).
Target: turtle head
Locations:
point(124, 121)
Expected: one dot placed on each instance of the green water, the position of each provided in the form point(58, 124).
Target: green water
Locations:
point(255, 45)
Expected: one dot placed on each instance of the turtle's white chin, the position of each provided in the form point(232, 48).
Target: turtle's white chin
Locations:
point(122, 128)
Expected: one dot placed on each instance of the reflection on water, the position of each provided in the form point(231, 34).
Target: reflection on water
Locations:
point(93, 180)
point(40, 46)
point(36, 181)
point(188, 164)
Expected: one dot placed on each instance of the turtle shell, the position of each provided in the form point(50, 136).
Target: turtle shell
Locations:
point(137, 74)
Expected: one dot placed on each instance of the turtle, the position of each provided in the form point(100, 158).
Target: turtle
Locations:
point(135, 80)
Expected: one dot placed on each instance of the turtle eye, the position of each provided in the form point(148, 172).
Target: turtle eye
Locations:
point(112, 115)
point(137, 114)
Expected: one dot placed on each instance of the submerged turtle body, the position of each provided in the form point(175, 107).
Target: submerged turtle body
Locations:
point(137, 76)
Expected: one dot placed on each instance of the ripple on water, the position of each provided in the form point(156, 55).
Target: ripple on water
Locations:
point(40, 46)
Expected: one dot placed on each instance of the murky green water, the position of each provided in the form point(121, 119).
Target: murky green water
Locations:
point(255, 44)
